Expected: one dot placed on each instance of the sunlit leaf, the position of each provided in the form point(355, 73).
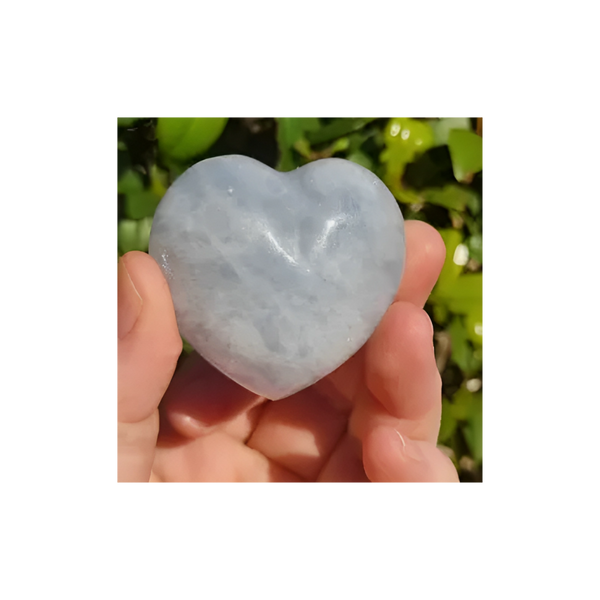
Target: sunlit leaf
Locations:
point(144, 229)
point(441, 128)
point(134, 235)
point(474, 325)
point(464, 295)
point(450, 271)
point(405, 139)
point(466, 153)
point(159, 181)
point(181, 139)
point(127, 235)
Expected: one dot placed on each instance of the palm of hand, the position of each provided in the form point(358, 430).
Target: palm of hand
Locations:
point(376, 418)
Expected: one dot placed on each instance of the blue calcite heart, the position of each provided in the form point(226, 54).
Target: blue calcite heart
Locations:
point(278, 278)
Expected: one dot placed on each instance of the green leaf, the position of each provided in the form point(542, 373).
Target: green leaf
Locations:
point(474, 325)
point(336, 129)
point(290, 132)
point(448, 423)
point(467, 291)
point(144, 229)
point(473, 429)
point(464, 296)
point(358, 138)
point(303, 148)
point(441, 128)
point(181, 139)
point(159, 181)
point(462, 353)
point(450, 271)
point(475, 245)
point(459, 293)
point(466, 154)
point(339, 145)
point(440, 312)
point(450, 196)
point(462, 404)
point(362, 159)
point(466, 407)
point(130, 182)
point(404, 139)
point(127, 122)
point(469, 360)
point(127, 235)
point(134, 235)
point(141, 204)
point(286, 161)
point(186, 346)
point(474, 203)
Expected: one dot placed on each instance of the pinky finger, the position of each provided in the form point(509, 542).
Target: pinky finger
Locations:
point(390, 456)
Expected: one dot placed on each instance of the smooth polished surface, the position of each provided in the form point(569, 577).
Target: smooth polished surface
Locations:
point(278, 278)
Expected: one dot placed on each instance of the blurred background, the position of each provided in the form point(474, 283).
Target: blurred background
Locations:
point(432, 166)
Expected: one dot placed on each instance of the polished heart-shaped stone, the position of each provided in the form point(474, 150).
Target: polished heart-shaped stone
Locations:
point(278, 278)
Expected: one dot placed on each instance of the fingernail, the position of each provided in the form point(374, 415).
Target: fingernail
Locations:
point(130, 302)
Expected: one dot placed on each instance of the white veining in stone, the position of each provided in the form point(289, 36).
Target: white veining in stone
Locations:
point(278, 278)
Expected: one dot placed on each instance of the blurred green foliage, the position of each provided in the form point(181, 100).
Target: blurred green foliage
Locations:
point(432, 166)
point(182, 139)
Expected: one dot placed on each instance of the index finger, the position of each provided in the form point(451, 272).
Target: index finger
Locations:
point(425, 254)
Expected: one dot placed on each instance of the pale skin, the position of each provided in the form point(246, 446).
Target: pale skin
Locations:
point(376, 418)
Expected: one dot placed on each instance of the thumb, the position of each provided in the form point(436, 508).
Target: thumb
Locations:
point(148, 348)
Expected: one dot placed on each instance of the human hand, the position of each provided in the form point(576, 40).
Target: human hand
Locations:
point(376, 418)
